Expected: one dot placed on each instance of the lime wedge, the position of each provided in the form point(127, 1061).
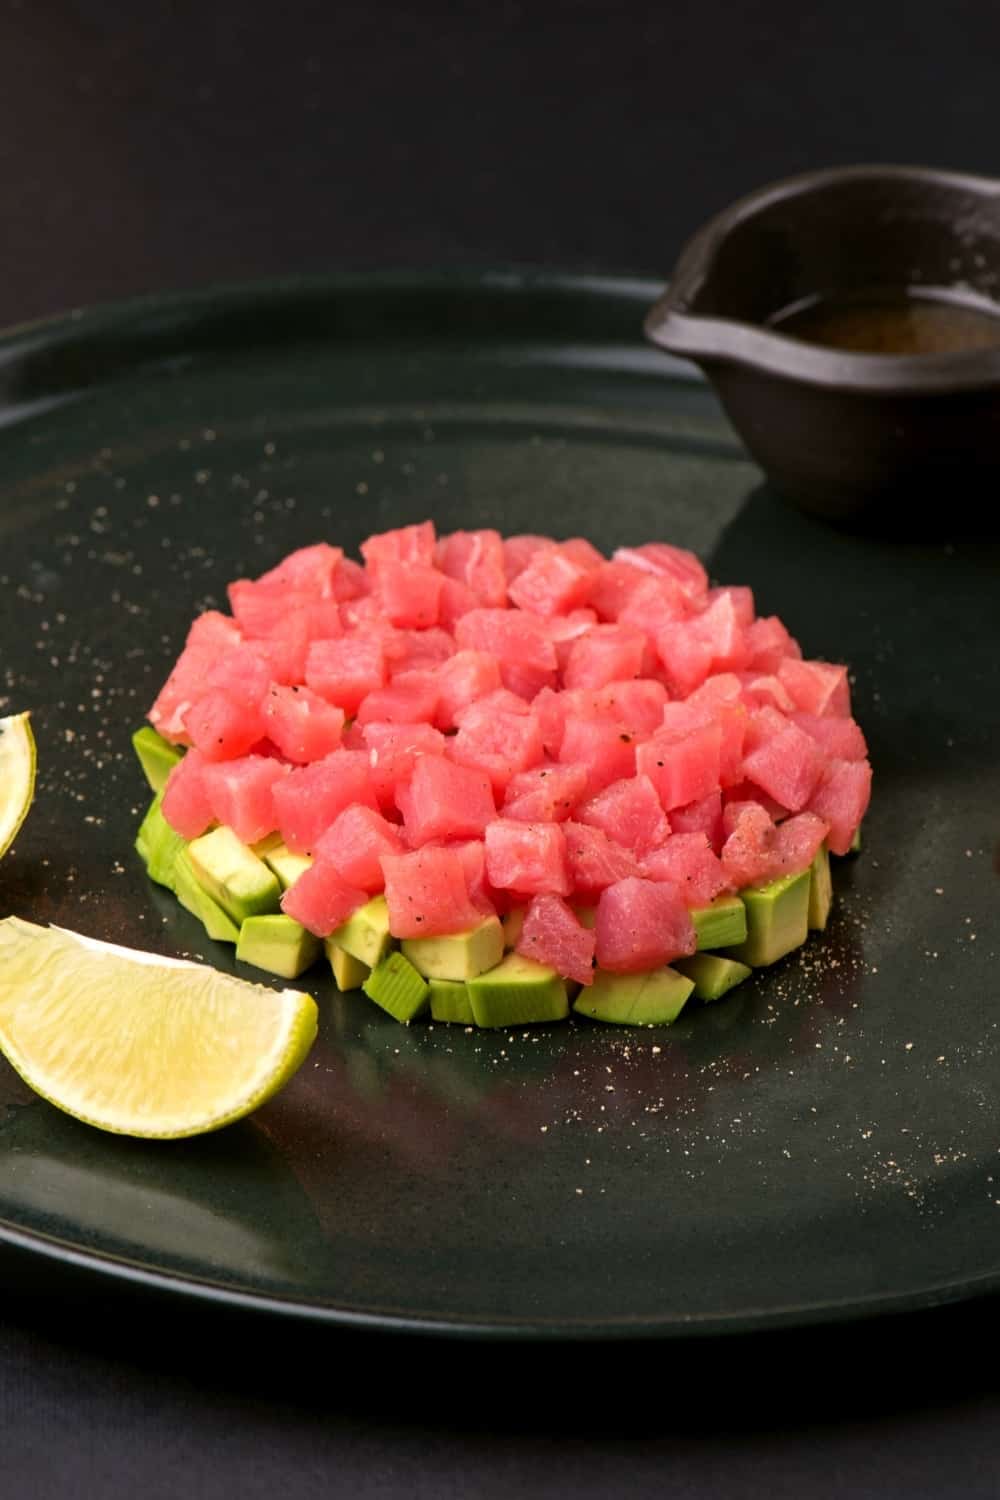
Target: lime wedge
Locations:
point(17, 775)
point(139, 1044)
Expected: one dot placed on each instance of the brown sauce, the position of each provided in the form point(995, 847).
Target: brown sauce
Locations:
point(893, 324)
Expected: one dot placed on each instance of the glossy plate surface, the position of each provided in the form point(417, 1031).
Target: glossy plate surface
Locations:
point(822, 1143)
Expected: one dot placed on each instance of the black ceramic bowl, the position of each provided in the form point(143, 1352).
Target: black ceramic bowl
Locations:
point(890, 439)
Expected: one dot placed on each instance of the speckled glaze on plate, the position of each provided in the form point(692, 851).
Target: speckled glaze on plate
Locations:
point(822, 1143)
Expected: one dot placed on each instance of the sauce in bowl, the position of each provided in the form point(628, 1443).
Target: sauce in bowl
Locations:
point(902, 322)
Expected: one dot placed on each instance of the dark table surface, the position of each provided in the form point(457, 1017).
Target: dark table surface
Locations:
point(171, 145)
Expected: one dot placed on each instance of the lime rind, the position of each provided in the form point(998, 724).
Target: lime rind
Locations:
point(17, 776)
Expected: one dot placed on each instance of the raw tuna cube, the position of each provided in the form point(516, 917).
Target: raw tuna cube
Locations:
point(673, 562)
point(595, 861)
point(456, 600)
point(686, 657)
point(321, 900)
point(787, 766)
point(683, 768)
point(442, 800)
point(472, 853)
point(741, 600)
point(552, 935)
point(242, 794)
point(407, 544)
point(409, 594)
point(416, 650)
point(514, 638)
point(607, 750)
point(641, 924)
point(841, 800)
point(607, 653)
point(346, 671)
point(636, 706)
point(465, 678)
point(795, 844)
point(285, 649)
point(211, 635)
point(817, 687)
point(545, 794)
point(840, 739)
point(186, 804)
point(703, 816)
point(241, 673)
point(768, 644)
point(583, 552)
point(222, 728)
point(529, 858)
point(688, 860)
point(655, 605)
point(629, 812)
point(497, 741)
point(553, 583)
point(746, 854)
point(701, 710)
point(393, 750)
point(427, 893)
point(353, 846)
point(766, 691)
point(519, 550)
point(551, 709)
point(409, 699)
point(612, 587)
point(310, 797)
point(736, 797)
point(565, 630)
point(350, 581)
point(260, 608)
point(309, 570)
point(301, 724)
point(476, 559)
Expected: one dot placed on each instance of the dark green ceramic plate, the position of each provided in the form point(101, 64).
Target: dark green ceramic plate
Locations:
point(823, 1143)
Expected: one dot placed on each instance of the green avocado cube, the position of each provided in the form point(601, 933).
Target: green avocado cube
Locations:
point(233, 875)
point(158, 845)
point(199, 903)
point(720, 924)
point(586, 916)
point(820, 891)
point(450, 1001)
point(365, 935)
point(278, 944)
point(349, 972)
point(712, 975)
point(156, 757)
point(777, 920)
point(654, 998)
point(462, 955)
point(516, 992)
point(398, 988)
point(281, 861)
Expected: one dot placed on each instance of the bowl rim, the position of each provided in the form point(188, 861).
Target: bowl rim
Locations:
point(672, 327)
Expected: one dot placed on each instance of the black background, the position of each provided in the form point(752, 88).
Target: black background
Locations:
point(151, 146)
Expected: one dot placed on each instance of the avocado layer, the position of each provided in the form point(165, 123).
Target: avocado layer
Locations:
point(278, 944)
point(365, 935)
point(777, 920)
point(233, 875)
point(199, 903)
point(450, 1001)
point(820, 892)
point(516, 992)
point(653, 999)
point(156, 757)
point(463, 955)
point(158, 845)
point(720, 924)
point(712, 975)
point(349, 973)
point(398, 988)
point(512, 924)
